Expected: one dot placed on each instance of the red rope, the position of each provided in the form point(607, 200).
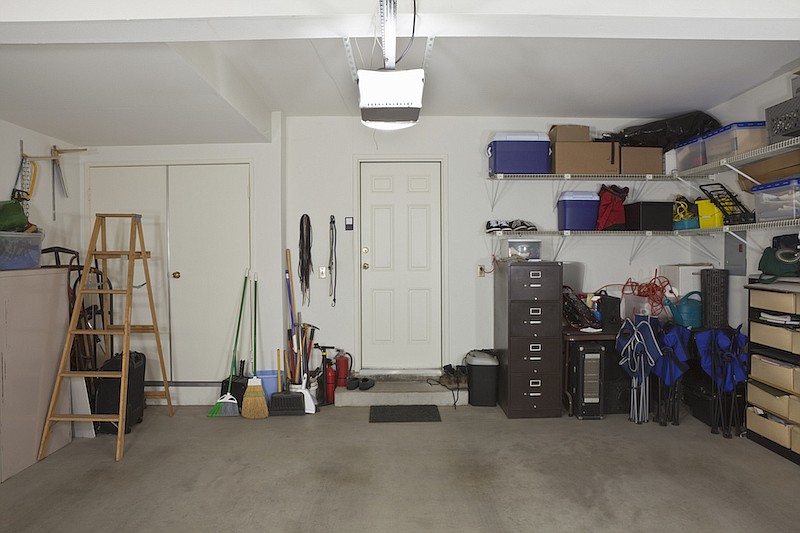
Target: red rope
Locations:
point(654, 290)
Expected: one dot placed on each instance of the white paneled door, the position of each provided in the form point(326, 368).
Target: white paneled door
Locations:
point(401, 285)
point(197, 228)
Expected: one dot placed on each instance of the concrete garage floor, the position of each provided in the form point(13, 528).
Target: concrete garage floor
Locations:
point(475, 471)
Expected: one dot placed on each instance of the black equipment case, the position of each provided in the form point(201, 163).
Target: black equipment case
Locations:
point(586, 378)
point(107, 398)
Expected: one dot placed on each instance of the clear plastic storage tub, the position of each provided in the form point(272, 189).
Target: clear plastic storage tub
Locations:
point(690, 154)
point(779, 200)
point(734, 138)
point(19, 251)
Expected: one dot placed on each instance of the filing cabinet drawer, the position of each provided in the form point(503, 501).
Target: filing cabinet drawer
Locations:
point(534, 319)
point(540, 393)
point(535, 355)
point(535, 282)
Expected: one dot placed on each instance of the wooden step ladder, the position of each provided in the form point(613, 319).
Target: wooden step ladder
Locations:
point(98, 250)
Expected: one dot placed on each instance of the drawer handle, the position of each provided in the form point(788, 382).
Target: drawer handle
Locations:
point(535, 383)
point(535, 347)
point(535, 274)
point(533, 322)
point(534, 285)
point(535, 311)
point(537, 358)
point(534, 394)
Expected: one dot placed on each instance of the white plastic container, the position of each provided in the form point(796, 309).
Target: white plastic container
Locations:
point(690, 154)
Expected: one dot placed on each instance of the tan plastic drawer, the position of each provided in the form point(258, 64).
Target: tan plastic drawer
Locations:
point(768, 398)
point(775, 337)
point(781, 375)
point(782, 302)
point(774, 431)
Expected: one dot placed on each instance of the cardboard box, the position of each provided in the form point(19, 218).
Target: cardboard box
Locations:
point(772, 169)
point(776, 373)
point(768, 398)
point(641, 160)
point(586, 158)
point(782, 302)
point(796, 439)
point(774, 431)
point(570, 133)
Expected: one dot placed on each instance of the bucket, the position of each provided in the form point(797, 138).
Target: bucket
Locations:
point(686, 311)
point(269, 382)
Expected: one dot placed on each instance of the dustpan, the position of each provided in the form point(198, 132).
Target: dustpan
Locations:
point(286, 403)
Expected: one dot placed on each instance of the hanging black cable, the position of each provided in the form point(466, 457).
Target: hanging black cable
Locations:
point(413, 34)
point(304, 266)
point(332, 261)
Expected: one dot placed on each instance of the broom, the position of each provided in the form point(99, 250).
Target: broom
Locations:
point(254, 404)
point(227, 404)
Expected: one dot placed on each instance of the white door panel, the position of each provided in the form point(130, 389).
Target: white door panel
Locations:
point(401, 265)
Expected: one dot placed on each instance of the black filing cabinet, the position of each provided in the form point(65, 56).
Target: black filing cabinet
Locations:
point(527, 337)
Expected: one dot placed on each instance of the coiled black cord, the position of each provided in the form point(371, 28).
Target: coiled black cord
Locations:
point(305, 266)
point(332, 262)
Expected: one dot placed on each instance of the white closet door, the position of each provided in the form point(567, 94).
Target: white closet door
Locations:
point(143, 190)
point(209, 242)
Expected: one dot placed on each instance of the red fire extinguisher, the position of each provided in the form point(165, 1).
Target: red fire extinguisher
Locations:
point(343, 363)
point(330, 382)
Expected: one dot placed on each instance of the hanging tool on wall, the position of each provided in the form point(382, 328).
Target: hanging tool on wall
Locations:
point(28, 171)
point(305, 265)
point(332, 261)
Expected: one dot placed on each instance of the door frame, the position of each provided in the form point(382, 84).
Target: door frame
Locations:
point(444, 262)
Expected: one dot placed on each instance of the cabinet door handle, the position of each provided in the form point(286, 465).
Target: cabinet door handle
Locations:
point(534, 285)
point(535, 347)
point(533, 394)
point(533, 322)
point(537, 358)
point(535, 311)
point(535, 274)
point(535, 383)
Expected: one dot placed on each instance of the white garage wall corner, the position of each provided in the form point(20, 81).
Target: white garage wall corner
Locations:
point(63, 230)
point(321, 172)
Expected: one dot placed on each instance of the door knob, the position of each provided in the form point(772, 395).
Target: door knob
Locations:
point(365, 266)
point(176, 275)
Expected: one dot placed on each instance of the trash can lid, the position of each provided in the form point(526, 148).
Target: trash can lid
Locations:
point(478, 358)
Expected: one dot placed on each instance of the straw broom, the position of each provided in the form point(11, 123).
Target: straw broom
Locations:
point(227, 404)
point(254, 404)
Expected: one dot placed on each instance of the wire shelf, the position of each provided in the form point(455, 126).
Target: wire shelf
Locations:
point(744, 158)
point(593, 177)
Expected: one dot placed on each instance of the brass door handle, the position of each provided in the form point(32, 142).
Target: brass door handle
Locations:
point(365, 266)
point(176, 275)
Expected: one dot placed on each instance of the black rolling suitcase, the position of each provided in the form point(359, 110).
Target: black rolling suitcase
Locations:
point(107, 398)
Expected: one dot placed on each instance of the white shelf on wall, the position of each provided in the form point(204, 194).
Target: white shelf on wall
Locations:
point(594, 177)
point(745, 158)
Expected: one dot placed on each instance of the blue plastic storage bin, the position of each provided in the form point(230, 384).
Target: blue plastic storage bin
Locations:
point(519, 153)
point(578, 211)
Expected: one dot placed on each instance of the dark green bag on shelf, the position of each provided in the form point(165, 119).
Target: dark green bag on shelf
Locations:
point(12, 216)
point(776, 264)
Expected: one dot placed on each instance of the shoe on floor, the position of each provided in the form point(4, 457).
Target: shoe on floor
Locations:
point(352, 383)
point(366, 383)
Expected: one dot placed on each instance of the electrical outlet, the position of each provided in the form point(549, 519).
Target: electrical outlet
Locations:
point(481, 271)
point(323, 272)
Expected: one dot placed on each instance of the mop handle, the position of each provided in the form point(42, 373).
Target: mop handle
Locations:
point(238, 325)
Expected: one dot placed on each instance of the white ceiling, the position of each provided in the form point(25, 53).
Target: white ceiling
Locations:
point(128, 82)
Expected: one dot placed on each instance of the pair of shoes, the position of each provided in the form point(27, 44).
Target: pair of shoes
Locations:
point(522, 225)
point(493, 226)
point(360, 383)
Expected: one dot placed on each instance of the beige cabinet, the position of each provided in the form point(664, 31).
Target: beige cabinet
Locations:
point(33, 326)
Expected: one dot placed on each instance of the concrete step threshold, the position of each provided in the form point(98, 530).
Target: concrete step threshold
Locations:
point(404, 390)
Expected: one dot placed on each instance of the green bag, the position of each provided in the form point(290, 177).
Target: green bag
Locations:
point(776, 264)
point(12, 216)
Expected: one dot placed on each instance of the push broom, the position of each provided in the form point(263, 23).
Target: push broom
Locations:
point(227, 404)
point(254, 404)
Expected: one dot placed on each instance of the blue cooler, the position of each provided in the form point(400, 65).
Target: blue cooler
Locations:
point(577, 211)
point(519, 153)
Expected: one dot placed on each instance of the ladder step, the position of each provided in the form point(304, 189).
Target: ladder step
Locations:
point(135, 328)
point(91, 374)
point(155, 394)
point(68, 417)
point(114, 331)
point(102, 291)
point(116, 254)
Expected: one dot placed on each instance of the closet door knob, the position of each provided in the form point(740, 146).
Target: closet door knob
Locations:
point(176, 275)
point(365, 266)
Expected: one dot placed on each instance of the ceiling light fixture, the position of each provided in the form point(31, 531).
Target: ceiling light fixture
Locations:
point(390, 99)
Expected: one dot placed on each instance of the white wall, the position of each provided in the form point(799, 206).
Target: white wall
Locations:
point(63, 231)
point(321, 155)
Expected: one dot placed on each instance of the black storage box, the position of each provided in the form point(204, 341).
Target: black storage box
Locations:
point(482, 378)
point(648, 216)
point(697, 394)
point(107, 396)
point(585, 379)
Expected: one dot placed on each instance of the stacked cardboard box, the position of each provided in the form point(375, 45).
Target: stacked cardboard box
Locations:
point(575, 153)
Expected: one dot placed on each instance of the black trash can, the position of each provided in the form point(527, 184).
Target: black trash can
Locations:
point(482, 378)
